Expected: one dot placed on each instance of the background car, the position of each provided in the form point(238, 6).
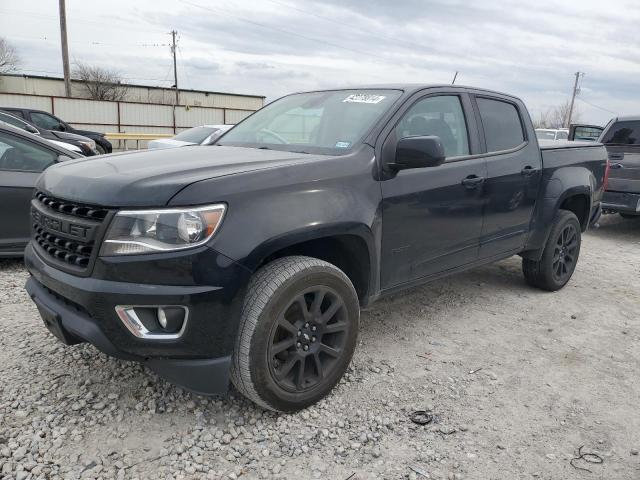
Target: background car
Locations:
point(48, 121)
point(552, 133)
point(23, 157)
point(202, 135)
point(76, 143)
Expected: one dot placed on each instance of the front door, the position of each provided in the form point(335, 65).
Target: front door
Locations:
point(21, 162)
point(432, 217)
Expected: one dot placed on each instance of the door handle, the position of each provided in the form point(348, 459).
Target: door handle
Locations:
point(616, 156)
point(528, 171)
point(615, 166)
point(472, 181)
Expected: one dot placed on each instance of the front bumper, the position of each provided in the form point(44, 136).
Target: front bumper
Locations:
point(81, 309)
point(621, 202)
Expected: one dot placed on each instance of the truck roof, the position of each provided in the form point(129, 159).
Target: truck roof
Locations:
point(411, 88)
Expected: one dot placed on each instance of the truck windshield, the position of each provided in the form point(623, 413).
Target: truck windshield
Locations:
point(623, 133)
point(329, 122)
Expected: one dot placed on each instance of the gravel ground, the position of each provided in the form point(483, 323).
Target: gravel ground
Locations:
point(517, 381)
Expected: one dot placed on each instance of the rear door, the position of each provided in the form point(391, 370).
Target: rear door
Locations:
point(622, 140)
point(21, 162)
point(514, 166)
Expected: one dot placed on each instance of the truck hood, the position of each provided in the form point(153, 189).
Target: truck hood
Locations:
point(151, 178)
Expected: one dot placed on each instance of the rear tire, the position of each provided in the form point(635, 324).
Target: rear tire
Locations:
point(560, 255)
point(100, 149)
point(297, 334)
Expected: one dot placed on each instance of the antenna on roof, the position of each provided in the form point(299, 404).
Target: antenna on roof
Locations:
point(454, 78)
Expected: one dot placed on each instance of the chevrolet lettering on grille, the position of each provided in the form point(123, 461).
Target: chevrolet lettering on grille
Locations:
point(81, 232)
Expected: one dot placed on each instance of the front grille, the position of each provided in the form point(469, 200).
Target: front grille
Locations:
point(62, 206)
point(66, 232)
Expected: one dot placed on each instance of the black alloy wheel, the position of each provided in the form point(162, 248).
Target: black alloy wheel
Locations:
point(564, 255)
point(298, 331)
point(308, 338)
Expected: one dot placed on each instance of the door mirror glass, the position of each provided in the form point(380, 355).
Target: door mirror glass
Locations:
point(418, 152)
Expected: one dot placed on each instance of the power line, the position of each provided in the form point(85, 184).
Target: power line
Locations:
point(369, 55)
point(378, 35)
point(95, 43)
point(105, 25)
point(186, 73)
point(281, 30)
point(596, 106)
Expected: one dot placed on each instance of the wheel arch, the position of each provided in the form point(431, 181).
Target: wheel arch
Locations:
point(577, 200)
point(348, 246)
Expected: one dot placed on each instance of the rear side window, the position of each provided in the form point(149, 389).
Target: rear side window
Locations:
point(501, 123)
point(623, 133)
point(46, 121)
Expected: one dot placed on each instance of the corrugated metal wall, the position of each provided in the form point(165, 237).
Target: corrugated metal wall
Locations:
point(143, 110)
point(109, 117)
point(46, 86)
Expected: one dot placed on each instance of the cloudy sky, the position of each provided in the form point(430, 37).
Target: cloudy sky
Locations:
point(271, 47)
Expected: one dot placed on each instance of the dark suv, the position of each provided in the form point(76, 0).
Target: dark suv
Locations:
point(50, 122)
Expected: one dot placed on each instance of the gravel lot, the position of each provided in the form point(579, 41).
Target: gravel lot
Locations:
point(517, 380)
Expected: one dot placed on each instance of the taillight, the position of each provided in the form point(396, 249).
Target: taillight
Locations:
point(605, 181)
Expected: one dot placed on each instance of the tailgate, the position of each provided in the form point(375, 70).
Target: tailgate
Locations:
point(624, 175)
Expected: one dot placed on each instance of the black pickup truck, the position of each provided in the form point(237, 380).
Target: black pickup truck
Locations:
point(249, 260)
point(621, 137)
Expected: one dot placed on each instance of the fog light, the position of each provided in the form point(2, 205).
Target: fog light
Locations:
point(154, 322)
point(171, 318)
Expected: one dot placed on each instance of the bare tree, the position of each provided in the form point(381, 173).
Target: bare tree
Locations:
point(100, 83)
point(556, 117)
point(9, 59)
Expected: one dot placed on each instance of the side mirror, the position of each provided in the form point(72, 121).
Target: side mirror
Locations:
point(418, 152)
point(63, 158)
point(31, 129)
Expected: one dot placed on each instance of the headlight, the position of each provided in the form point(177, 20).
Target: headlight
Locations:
point(134, 232)
point(89, 143)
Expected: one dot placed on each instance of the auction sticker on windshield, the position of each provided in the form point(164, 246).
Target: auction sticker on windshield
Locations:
point(364, 98)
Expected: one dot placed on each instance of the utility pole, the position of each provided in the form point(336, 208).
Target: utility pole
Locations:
point(175, 65)
point(65, 48)
point(573, 98)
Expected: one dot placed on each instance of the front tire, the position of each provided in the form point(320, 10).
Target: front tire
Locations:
point(297, 333)
point(560, 255)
